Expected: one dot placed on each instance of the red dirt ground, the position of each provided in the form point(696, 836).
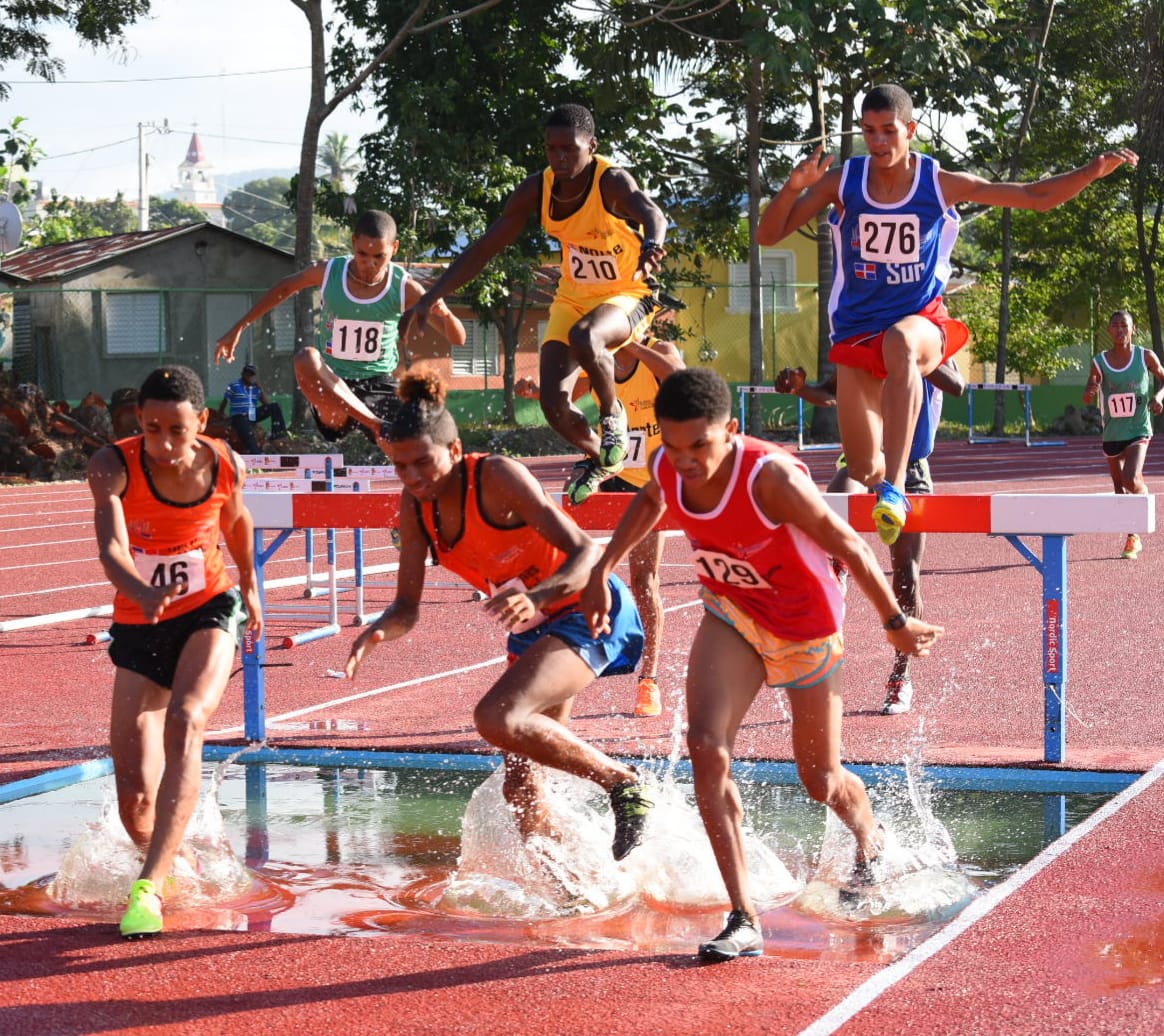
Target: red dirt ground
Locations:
point(1079, 948)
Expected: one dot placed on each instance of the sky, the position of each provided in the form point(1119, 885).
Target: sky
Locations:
point(182, 66)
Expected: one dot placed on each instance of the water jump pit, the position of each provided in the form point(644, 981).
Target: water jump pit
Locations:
point(434, 852)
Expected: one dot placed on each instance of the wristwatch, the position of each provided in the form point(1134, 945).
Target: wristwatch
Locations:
point(897, 622)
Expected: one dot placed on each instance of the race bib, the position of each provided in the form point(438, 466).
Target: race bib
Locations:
point(636, 451)
point(358, 340)
point(1121, 404)
point(187, 570)
point(723, 568)
point(590, 268)
point(889, 238)
point(516, 584)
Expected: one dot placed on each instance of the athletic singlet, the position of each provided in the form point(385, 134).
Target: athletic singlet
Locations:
point(774, 572)
point(637, 393)
point(888, 260)
point(486, 556)
point(600, 251)
point(171, 542)
point(359, 336)
point(1123, 398)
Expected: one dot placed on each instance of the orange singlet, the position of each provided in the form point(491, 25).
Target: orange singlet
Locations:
point(172, 542)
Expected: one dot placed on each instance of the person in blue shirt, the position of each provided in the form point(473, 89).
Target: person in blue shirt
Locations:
point(246, 404)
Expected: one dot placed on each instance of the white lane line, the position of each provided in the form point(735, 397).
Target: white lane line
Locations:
point(367, 694)
point(52, 590)
point(43, 544)
point(321, 706)
point(868, 991)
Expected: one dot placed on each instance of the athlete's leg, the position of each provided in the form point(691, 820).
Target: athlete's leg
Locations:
point(906, 557)
point(199, 683)
point(724, 674)
point(558, 370)
point(1115, 467)
point(591, 339)
point(135, 743)
point(329, 394)
point(524, 786)
point(859, 421)
point(644, 560)
point(816, 747)
point(1132, 468)
point(517, 714)
point(910, 349)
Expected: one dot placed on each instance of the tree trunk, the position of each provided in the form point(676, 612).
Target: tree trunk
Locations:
point(824, 419)
point(755, 269)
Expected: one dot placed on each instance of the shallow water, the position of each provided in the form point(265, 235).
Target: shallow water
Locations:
point(435, 853)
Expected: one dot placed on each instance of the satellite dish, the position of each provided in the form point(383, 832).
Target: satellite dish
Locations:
point(11, 227)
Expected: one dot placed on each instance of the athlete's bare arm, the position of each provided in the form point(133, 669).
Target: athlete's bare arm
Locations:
point(785, 493)
point(311, 277)
point(503, 231)
point(809, 190)
point(107, 482)
point(1039, 195)
point(512, 496)
point(238, 529)
point(623, 197)
point(401, 615)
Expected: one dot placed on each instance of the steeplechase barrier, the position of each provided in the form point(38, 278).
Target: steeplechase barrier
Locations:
point(1050, 518)
point(768, 390)
point(985, 439)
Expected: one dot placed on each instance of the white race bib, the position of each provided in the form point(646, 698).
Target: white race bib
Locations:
point(889, 238)
point(588, 268)
point(1121, 404)
point(187, 570)
point(516, 584)
point(358, 340)
point(636, 451)
point(723, 568)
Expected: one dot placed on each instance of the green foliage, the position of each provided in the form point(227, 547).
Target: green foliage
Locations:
point(261, 209)
point(18, 154)
point(25, 27)
point(170, 212)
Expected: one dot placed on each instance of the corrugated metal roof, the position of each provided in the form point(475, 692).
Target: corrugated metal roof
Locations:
point(52, 261)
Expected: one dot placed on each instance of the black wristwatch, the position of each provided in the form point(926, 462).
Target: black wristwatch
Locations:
point(650, 245)
point(897, 622)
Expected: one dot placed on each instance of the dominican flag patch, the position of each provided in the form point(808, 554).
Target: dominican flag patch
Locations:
point(865, 271)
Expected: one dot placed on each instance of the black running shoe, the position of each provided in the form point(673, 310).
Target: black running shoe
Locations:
point(630, 803)
point(741, 937)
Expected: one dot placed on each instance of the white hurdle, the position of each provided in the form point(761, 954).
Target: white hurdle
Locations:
point(999, 387)
point(768, 390)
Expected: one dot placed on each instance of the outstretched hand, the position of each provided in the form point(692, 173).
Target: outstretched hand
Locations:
point(915, 637)
point(364, 643)
point(414, 319)
point(790, 380)
point(1110, 161)
point(810, 170)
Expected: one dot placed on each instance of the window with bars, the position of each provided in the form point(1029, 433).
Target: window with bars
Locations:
point(777, 277)
point(135, 323)
point(479, 354)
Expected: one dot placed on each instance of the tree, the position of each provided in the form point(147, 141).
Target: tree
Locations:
point(339, 163)
point(260, 209)
point(18, 154)
point(170, 212)
point(25, 24)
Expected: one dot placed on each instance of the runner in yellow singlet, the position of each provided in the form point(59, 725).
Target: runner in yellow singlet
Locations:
point(611, 236)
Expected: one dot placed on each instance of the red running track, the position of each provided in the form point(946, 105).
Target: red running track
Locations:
point(1077, 948)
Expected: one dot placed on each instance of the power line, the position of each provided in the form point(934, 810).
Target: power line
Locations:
point(153, 79)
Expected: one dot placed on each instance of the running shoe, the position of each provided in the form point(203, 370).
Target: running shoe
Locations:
point(585, 479)
point(889, 512)
point(143, 915)
point(741, 937)
point(631, 804)
point(648, 702)
point(898, 695)
point(1132, 547)
point(615, 440)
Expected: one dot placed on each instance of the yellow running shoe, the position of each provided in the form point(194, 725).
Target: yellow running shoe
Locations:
point(648, 702)
point(889, 512)
point(1132, 547)
point(143, 916)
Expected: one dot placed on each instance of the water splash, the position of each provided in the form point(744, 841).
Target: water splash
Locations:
point(102, 863)
point(499, 874)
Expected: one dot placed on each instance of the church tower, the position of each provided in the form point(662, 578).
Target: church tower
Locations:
point(196, 177)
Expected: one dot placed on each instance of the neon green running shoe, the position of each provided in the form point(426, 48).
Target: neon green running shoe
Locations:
point(889, 512)
point(631, 805)
point(615, 438)
point(143, 916)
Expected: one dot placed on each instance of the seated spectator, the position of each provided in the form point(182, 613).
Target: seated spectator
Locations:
point(248, 405)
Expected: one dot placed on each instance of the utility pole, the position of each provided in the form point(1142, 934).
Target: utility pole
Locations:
point(143, 171)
